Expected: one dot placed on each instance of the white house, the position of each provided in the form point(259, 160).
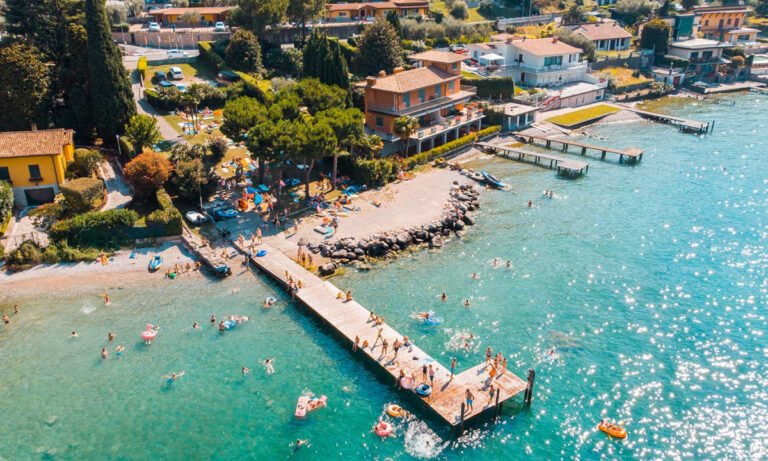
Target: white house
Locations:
point(605, 35)
point(704, 54)
point(533, 62)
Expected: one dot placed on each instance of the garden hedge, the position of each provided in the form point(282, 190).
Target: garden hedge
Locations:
point(425, 157)
point(373, 173)
point(167, 219)
point(95, 228)
point(211, 56)
point(83, 194)
point(493, 87)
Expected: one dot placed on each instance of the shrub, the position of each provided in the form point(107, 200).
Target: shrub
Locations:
point(493, 87)
point(24, 256)
point(95, 228)
point(122, 27)
point(125, 146)
point(141, 66)
point(460, 10)
point(6, 200)
point(31, 254)
point(373, 173)
point(85, 164)
point(425, 157)
point(210, 55)
point(45, 215)
point(244, 52)
point(256, 88)
point(167, 217)
point(83, 194)
point(147, 173)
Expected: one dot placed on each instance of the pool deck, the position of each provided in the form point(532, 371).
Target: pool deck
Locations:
point(351, 319)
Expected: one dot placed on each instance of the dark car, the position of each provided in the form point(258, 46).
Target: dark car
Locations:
point(160, 76)
point(227, 77)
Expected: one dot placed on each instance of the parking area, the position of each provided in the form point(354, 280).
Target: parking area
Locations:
point(193, 72)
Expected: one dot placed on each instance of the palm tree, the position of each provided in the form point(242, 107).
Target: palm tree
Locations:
point(405, 126)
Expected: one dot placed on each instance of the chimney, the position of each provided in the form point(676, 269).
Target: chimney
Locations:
point(382, 74)
point(34, 127)
point(554, 39)
point(397, 70)
point(370, 81)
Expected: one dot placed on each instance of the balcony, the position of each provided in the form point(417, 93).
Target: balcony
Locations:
point(545, 69)
point(448, 123)
point(417, 110)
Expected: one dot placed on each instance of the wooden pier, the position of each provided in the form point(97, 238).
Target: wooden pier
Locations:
point(350, 320)
point(683, 124)
point(632, 154)
point(564, 166)
point(206, 254)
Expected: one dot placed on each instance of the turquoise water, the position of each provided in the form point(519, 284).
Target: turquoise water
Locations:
point(649, 282)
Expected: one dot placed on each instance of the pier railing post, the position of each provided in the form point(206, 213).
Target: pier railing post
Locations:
point(461, 421)
point(529, 389)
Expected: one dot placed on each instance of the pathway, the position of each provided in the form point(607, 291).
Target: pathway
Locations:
point(143, 107)
point(119, 193)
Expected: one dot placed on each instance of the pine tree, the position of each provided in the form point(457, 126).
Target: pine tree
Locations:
point(394, 19)
point(112, 97)
point(324, 60)
point(379, 49)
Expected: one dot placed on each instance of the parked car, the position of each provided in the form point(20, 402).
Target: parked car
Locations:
point(196, 218)
point(176, 73)
point(177, 54)
point(227, 77)
point(154, 27)
point(220, 27)
point(160, 76)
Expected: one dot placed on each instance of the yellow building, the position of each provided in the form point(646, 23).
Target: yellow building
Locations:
point(714, 21)
point(339, 12)
point(34, 163)
point(208, 15)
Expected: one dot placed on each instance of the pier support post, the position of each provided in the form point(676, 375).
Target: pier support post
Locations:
point(584, 151)
point(603, 155)
point(549, 143)
point(528, 390)
point(461, 421)
point(497, 411)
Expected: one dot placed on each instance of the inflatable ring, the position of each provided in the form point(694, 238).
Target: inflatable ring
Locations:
point(424, 390)
point(384, 429)
point(261, 253)
point(270, 300)
point(395, 411)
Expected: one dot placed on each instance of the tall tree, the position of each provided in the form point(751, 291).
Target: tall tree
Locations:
point(147, 173)
point(112, 99)
point(244, 52)
point(25, 82)
point(761, 8)
point(256, 15)
point(574, 15)
point(301, 11)
point(404, 127)
point(240, 115)
point(306, 140)
point(318, 97)
point(394, 19)
point(324, 60)
point(655, 36)
point(347, 125)
point(262, 144)
point(379, 49)
point(141, 130)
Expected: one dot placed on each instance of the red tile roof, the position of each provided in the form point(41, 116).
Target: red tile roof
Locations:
point(411, 80)
point(201, 10)
point(546, 46)
point(437, 56)
point(33, 143)
point(605, 31)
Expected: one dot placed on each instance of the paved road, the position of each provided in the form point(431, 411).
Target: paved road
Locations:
point(119, 194)
point(20, 229)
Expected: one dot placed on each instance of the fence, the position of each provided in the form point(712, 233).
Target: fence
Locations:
point(184, 40)
point(502, 24)
point(633, 60)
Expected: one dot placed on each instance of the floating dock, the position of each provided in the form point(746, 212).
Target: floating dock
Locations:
point(564, 166)
point(632, 155)
point(350, 320)
point(683, 124)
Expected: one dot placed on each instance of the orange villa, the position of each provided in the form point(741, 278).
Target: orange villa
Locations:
point(338, 12)
point(725, 23)
point(431, 93)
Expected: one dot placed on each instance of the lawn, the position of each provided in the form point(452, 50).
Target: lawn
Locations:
point(621, 76)
point(582, 116)
point(474, 14)
point(193, 72)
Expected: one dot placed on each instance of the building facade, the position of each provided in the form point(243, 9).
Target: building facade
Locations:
point(207, 15)
point(605, 35)
point(369, 11)
point(704, 55)
point(34, 163)
point(431, 93)
point(533, 62)
point(724, 23)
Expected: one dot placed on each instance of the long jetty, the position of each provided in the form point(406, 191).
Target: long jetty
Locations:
point(632, 154)
point(683, 124)
point(564, 166)
point(350, 320)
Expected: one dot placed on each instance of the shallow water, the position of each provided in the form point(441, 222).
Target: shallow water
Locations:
point(649, 282)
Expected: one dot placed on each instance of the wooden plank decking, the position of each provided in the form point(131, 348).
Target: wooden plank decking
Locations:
point(632, 154)
point(350, 319)
point(684, 124)
point(563, 165)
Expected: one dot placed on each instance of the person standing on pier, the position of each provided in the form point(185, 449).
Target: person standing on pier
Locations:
point(469, 398)
point(424, 373)
point(488, 355)
point(357, 341)
point(384, 347)
point(396, 346)
point(453, 367)
point(258, 236)
point(378, 337)
point(431, 376)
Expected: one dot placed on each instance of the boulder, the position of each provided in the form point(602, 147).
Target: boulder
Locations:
point(327, 269)
point(340, 254)
point(468, 220)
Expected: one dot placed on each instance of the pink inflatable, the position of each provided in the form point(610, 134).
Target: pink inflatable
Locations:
point(150, 333)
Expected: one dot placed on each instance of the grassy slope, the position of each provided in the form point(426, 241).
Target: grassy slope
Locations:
point(584, 115)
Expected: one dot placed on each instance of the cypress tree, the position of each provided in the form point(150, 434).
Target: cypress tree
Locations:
point(324, 60)
point(111, 91)
point(379, 49)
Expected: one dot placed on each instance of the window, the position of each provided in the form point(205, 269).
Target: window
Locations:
point(706, 22)
point(707, 55)
point(438, 91)
point(34, 172)
point(422, 95)
point(407, 99)
point(695, 55)
point(553, 60)
point(736, 22)
point(455, 66)
point(720, 25)
point(4, 174)
point(451, 87)
point(741, 38)
point(379, 121)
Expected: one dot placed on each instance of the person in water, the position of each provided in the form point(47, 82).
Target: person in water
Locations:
point(467, 303)
point(213, 320)
point(444, 297)
point(530, 203)
point(73, 335)
point(195, 326)
point(173, 377)
point(104, 353)
point(475, 275)
point(245, 370)
point(6, 319)
point(119, 350)
point(300, 443)
point(110, 337)
point(268, 365)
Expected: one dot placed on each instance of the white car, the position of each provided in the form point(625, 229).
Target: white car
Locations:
point(176, 73)
point(177, 54)
point(219, 27)
point(154, 27)
point(196, 218)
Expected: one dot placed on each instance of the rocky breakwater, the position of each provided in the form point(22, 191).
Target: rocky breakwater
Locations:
point(464, 199)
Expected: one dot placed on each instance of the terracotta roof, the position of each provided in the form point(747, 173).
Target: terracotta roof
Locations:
point(503, 37)
point(437, 56)
point(414, 79)
point(605, 31)
point(377, 5)
point(545, 46)
point(33, 143)
point(201, 10)
point(411, 3)
point(487, 46)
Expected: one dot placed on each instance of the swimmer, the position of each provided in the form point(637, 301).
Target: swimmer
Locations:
point(110, 336)
point(509, 263)
point(173, 377)
point(245, 370)
point(119, 350)
point(444, 297)
point(73, 334)
point(300, 443)
point(6, 320)
point(268, 366)
point(467, 303)
point(495, 262)
point(104, 353)
point(195, 326)
point(222, 327)
point(475, 275)
point(213, 320)
point(530, 203)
